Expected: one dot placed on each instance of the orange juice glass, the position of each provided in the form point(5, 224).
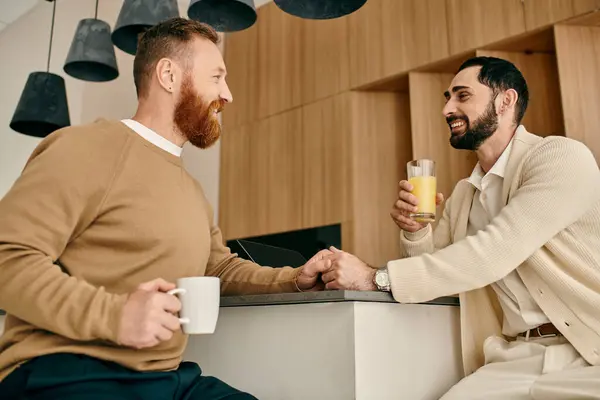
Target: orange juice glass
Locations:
point(421, 175)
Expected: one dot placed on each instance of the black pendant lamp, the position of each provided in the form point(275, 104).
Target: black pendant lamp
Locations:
point(43, 107)
point(319, 9)
point(138, 15)
point(92, 54)
point(224, 15)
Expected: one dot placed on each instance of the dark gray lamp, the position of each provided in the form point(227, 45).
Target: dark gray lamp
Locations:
point(319, 9)
point(92, 54)
point(138, 15)
point(224, 15)
point(43, 106)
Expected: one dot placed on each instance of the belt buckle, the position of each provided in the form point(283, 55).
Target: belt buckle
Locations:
point(540, 335)
point(546, 335)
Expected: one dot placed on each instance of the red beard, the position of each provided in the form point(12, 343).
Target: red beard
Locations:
point(196, 120)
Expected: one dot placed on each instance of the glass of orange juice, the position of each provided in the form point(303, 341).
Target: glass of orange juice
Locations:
point(421, 175)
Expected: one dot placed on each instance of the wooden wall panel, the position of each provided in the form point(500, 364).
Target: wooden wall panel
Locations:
point(365, 39)
point(300, 150)
point(583, 6)
point(473, 23)
point(388, 37)
point(282, 62)
point(287, 172)
point(539, 13)
point(263, 160)
point(578, 55)
point(589, 19)
point(283, 209)
point(235, 207)
point(381, 147)
point(325, 58)
point(241, 60)
point(325, 184)
point(279, 61)
point(544, 114)
point(430, 132)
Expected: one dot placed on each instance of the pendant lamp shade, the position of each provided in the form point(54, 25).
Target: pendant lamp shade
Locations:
point(319, 9)
point(43, 107)
point(138, 15)
point(224, 15)
point(92, 54)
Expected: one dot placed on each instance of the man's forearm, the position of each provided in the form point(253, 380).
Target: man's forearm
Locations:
point(239, 277)
point(426, 241)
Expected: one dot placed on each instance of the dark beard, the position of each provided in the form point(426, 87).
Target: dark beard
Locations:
point(195, 118)
point(475, 135)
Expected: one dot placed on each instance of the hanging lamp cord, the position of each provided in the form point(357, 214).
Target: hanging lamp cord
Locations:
point(51, 35)
point(95, 15)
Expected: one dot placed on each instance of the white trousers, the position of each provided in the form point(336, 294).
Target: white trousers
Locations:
point(540, 369)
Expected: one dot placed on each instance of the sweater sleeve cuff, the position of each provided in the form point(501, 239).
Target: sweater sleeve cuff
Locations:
point(418, 235)
point(114, 310)
point(289, 283)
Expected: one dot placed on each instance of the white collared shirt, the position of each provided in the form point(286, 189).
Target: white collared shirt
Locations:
point(153, 137)
point(521, 312)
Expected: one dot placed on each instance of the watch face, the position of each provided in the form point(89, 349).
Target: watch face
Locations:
point(382, 279)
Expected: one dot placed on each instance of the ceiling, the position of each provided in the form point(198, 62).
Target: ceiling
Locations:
point(11, 10)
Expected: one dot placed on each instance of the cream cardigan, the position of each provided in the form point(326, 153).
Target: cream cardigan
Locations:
point(548, 230)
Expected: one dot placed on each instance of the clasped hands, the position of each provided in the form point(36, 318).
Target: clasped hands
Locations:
point(336, 269)
point(333, 269)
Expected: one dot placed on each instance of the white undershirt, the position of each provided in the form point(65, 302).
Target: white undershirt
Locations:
point(521, 312)
point(153, 137)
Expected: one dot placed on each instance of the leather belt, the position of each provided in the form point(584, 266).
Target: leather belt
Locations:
point(544, 330)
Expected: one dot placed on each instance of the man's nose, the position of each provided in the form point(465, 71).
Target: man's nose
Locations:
point(226, 94)
point(449, 109)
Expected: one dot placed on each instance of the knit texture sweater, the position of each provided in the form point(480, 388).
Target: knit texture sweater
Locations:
point(96, 211)
point(548, 231)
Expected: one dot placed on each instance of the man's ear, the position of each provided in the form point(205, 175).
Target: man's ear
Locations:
point(508, 100)
point(167, 74)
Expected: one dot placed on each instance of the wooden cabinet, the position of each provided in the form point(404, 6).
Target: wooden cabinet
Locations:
point(337, 160)
point(325, 185)
point(282, 62)
point(236, 205)
point(241, 60)
point(279, 61)
point(286, 172)
point(306, 144)
point(260, 163)
point(474, 23)
point(578, 54)
point(381, 147)
point(325, 58)
point(391, 36)
point(545, 12)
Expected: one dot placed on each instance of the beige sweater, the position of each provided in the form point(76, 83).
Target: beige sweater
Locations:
point(115, 211)
point(548, 230)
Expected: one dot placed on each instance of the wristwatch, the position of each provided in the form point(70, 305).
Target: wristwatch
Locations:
point(382, 280)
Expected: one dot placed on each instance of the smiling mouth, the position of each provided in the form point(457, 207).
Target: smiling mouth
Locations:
point(457, 126)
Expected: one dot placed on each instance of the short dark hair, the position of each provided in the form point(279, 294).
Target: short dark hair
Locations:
point(500, 75)
point(166, 39)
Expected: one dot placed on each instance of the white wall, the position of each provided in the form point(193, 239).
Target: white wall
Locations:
point(24, 49)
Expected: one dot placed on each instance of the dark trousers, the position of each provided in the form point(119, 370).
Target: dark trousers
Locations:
point(78, 377)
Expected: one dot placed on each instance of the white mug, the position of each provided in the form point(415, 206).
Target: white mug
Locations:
point(200, 300)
